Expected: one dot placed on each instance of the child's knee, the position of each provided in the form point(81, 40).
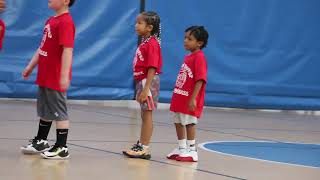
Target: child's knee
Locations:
point(192, 125)
point(146, 115)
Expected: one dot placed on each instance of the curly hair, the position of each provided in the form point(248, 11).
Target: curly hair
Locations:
point(152, 18)
point(200, 33)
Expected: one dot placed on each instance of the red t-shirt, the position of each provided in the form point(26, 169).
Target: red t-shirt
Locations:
point(193, 69)
point(2, 31)
point(147, 55)
point(59, 32)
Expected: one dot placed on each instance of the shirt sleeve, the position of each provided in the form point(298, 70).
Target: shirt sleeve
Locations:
point(66, 34)
point(153, 55)
point(2, 29)
point(200, 69)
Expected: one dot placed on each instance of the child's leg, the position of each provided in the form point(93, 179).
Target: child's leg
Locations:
point(191, 155)
point(62, 132)
point(44, 129)
point(39, 143)
point(182, 142)
point(60, 149)
point(180, 130)
point(147, 110)
point(42, 109)
point(146, 127)
point(141, 149)
point(191, 133)
point(57, 111)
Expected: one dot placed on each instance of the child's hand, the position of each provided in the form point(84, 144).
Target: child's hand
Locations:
point(64, 83)
point(26, 73)
point(143, 96)
point(192, 105)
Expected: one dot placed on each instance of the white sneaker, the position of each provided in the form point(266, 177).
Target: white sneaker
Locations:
point(56, 153)
point(188, 156)
point(175, 153)
point(35, 146)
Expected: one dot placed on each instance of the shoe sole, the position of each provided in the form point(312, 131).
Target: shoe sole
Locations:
point(185, 159)
point(32, 152)
point(146, 157)
point(172, 157)
point(55, 157)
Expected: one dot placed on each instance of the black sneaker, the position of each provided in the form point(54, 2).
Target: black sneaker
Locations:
point(56, 152)
point(35, 146)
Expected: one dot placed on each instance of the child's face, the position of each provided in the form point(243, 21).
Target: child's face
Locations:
point(2, 5)
point(191, 43)
point(57, 4)
point(142, 28)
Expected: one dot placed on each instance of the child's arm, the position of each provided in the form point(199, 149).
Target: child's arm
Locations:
point(193, 101)
point(32, 64)
point(67, 55)
point(144, 94)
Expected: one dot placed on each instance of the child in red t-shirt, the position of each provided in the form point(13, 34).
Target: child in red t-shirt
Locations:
point(147, 66)
point(54, 61)
point(2, 32)
point(188, 95)
point(2, 24)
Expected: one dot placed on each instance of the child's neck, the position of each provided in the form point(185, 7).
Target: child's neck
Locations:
point(146, 36)
point(195, 50)
point(62, 11)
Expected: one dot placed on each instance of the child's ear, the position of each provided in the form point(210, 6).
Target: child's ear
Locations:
point(200, 43)
point(67, 2)
point(150, 28)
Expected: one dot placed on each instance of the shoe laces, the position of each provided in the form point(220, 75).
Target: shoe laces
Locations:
point(54, 148)
point(137, 147)
point(34, 140)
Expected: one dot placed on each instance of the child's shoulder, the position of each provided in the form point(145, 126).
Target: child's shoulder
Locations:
point(67, 18)
point(196, 58)
point(200, 53)
point(197, 55)
point(200, 56)
point(153, 42)
point(63, 19)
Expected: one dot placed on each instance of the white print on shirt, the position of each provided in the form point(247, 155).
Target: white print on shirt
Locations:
point(43, 53)
point(137, 57)
point(184, 73)
point(46, 34)
point(181, 92)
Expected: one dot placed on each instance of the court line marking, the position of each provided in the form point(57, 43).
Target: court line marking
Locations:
point(201, 145)
point(152, 160)
point(87, 140)
point(163, 124)
point(199, 128)
point(161, 162)
point(264, 140)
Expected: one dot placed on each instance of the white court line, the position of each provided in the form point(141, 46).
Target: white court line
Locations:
point(257, 159)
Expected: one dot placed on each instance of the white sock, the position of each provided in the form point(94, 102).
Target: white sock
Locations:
point(145, 147)
point(182, 144)
point(192, 145)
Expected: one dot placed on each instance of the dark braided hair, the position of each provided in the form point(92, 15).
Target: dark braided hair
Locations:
point(71, 2)
point(200, 33)
point(152, 18)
